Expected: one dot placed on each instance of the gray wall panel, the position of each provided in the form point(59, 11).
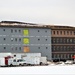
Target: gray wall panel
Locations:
point(34, 34)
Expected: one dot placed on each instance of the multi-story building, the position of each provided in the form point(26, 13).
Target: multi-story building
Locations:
point(63, 42)
point(55, 42)
point(18, 37)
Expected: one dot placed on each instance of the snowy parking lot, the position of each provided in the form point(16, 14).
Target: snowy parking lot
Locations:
point(52, 68)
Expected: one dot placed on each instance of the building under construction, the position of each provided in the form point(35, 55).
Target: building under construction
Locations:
point(54, 42)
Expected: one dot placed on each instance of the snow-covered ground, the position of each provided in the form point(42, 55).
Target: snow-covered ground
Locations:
point(50, 69)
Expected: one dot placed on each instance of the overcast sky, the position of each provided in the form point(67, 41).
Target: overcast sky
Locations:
point(39, 11)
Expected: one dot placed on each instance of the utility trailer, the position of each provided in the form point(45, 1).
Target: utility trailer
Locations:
point(35, 60)
point(21, 55)
point(31, 60)
point(2, 61)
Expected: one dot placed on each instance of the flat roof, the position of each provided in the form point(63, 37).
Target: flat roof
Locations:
point(32, 25)
point(21, 24)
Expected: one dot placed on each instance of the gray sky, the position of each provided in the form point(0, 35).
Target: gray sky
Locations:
point(39, 11)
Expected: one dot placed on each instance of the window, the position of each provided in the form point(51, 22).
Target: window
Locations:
point(19, 31)
point(57, 32)
point(14, 60)
point(4, 47)
point(4, 38)
point(46, 47)
point(60, 32)
point(67, 55)
point(26, 40)
point(64, 40)
point(46, 39)
point(67, 40)
point(64, 32)
point(71, 32)
point(67, 32)
point(58, 56)
point(71, 55)
point(53, 32)
point(12, 39)
point(61, 56)
point(16, 48)
point(61, 39)
point(26, 32)
point(64, 47)
point(58, 48)
point(53, 40)
point(61, 48)
point(54, 48)
point(38, 47)
point(74, 47)
point(70, 40)
point(74, 32)
point(3, 29)
point(38, 39)
point(15, 39)
point(15, 30)
point(19, 39)
point(73, 40)
point(11, 48)
point(19, 48)
point(71, 48)
point(46, 31)
point(68, 47)
point(38, 31)
point(11, 30)
point(57, 40)
point(54, 55)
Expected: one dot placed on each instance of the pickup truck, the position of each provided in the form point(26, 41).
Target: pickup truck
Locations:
point(16, 62)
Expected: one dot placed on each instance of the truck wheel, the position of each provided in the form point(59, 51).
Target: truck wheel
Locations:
point(20, 64)
point(40, 63)
point(11, 65)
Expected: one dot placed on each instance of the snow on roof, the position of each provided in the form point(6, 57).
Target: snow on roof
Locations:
point(23, 24)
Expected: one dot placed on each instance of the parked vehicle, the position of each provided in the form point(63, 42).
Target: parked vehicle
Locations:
point(21, 55)
point(16, 62)
point(2, 61)
point(35, 60)
point(69, 62)
point(31, 60)
point(43, 60)
point(16, 59)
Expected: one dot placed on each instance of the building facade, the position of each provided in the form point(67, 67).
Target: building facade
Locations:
point(63, 42)
point(54, 42)
point(23, 38)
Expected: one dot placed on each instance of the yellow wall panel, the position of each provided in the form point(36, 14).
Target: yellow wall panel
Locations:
point(26, 40)
point(26, 32)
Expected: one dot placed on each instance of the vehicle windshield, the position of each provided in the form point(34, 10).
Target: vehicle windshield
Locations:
point(20, 60)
